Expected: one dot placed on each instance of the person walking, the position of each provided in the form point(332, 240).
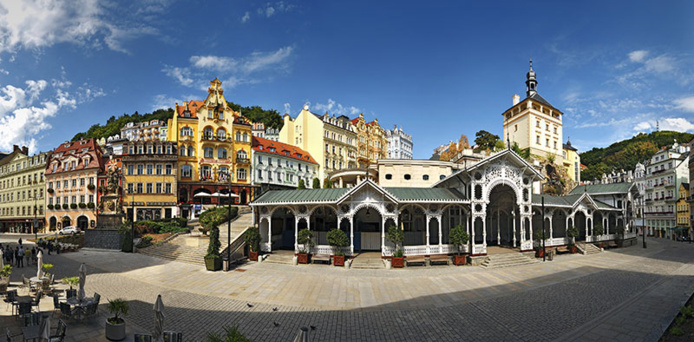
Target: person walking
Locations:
point(49, 247)
point(20, 256)
point(9, 256)
point(27, 257)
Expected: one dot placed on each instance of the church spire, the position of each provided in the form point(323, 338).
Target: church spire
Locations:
point(531, 81)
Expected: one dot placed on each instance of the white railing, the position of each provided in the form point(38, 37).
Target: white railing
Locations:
point(327, 249)
point(415, 250)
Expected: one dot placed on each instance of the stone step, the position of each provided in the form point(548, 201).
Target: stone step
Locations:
point(506, 260)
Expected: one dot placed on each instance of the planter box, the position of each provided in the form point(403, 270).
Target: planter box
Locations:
point(253, 256)
point(302, 258)
point(573, 249)
point(539, 253)
point(459, 260)
point(115, 332)
point(213, 264)
point(398, 262)
point(338, 260)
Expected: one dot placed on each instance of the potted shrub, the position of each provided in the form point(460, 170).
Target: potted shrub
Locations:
point(73, 205)
point(91, 187)
point(619, 238)
point(65, 206)
point(82, 205)
point(572, 232)
point(397, 236)
point(115, 325)
point(49, 206)
point(90, 205)
point(305, 238)
point(213, 260)
point(459, 237)
point(50, 190)
point(5, 277)
point(598, 231)
point(338, 239)
point(539, 251)
point(252, 237)
point(71, 281)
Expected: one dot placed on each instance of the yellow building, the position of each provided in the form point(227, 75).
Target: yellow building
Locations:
point(22, 189)
point(372, 144)
point(683, 209)
point(214, 149)
point(572, 161)
point(149, 172)
point(331, 140)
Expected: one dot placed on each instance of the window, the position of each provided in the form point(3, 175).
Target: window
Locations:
point(547, 127)
point(260, 174)
point(186, 131)
point(150, 169)
point(140, 169)
point(537, 124)
point(245, 137)
point(191, 151)
point(221, 134)
point(159, 169)
point(537, 140)
point(81, 198)
point(167, 188)
point(131, 169)
point(222, 153)
point(208, 152)
point(425, 177)
point(407, 176)
point(210, 114)
point(150, 149)
point(442, 176)
point(74, 183)
point(238, 136)
point(242, 155)
point(205, 172)
point(168, 169)
point(260, 159)
point(130, 188)
point(186, 171)
point(547, 142)
point(555, 145)
point(207, 133)
point(555, 129)
point(158, 188)
point(515, 128)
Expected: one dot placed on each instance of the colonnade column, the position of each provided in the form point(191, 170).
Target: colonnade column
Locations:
point(513, 219)
point(296, 234)
point(438, 220)
point(427, 235)
point(351, 234)
point(498, 228)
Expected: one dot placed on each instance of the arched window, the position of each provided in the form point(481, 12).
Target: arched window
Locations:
point(241, 154)
point(208, 152)
point(238, 136)
point(222, 153)
point(208, 133)
point(205, 172)
point(245, 137)
point(221, 134)
point(183, 151)
point(186, 131)
point(221, 115)
point(191, 151)
point(186, 171)
point(242, 174)
point(223, 174)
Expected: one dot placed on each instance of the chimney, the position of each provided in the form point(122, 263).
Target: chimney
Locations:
point(25, 150)
point(15, 148)
point(516, 99)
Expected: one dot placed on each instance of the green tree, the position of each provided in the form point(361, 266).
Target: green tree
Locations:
point(499, 146)
point(327, 184)
point(485, 140)
point(301, 184)
point(316, 183)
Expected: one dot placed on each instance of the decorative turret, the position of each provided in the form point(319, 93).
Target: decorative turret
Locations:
point(531, 81)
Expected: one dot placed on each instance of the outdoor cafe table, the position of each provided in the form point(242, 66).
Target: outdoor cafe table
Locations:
point(21, 299)
point(32, 332)
point(77, 304)
point(37, 281)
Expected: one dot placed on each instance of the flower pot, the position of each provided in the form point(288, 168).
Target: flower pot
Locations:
point(398, 262)
point(539, 253)
point(213, 263)
point(339, 260)
point(302, 258)
point(573, 249)
point(459, 260)
point(115, 332)
point(253, 256)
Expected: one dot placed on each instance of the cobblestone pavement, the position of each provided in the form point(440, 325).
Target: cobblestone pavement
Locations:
point(628, 293)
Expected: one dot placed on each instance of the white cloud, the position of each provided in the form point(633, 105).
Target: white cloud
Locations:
point(287, 108)
point(246, 17)
point(23, 115)
point(270, 9)
point(685, 103)
point(638, 55)
point(251, 69)
point(676, 124)
point(36, 24)
point(335, 108)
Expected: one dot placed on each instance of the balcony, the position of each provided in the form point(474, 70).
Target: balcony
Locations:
point(243, 160)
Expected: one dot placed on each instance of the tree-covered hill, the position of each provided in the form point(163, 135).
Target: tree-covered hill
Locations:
point(626, 153)
point(271, 118)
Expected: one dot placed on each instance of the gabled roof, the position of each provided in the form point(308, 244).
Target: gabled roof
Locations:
point(426, 194)
point(76, 149)
point(570, 201)
point(263, 145)
point(510, 153)
point(301, 196)
point(612, 188)
point(367, 182)
point(536, 97)
point(686, 186)
point(193, 107)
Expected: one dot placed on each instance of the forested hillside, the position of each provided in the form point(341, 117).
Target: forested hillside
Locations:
point(626, 153)
point(271, 118)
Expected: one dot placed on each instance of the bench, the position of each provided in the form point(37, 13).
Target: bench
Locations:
point(320, 257)
point(563, 249)
point(611, 244)
point(439, 258)
point(416, 259)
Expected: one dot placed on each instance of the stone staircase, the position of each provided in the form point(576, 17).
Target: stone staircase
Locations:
point(507, 260)
point(191, 248)
point(588, 248)
point(368, 261)
point(280, 257)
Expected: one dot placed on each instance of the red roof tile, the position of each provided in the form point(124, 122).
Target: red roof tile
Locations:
point(75, 148)
point(263, 145)
point(193, 107)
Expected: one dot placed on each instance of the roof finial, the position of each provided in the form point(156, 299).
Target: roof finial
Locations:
point(531, 63)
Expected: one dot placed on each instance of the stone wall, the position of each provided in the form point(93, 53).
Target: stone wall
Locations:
point(103, 238)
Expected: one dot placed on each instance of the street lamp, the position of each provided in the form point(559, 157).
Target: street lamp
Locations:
point(36, 222)
point(228, 174)
point(544, 251)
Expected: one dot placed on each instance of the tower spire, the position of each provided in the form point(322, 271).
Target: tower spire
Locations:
point(531, 81)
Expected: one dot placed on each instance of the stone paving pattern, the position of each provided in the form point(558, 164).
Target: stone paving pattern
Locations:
point(621, 294)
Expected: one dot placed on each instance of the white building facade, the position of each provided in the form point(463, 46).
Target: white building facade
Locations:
point(399, 143)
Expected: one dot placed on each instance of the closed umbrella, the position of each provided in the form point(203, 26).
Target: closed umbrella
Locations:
point(158, 319)
point(45, 329)
point(39, 273)
point(302, 336)
point(2, 259)
point(83, 278)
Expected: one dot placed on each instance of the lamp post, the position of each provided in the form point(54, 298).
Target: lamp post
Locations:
point(36, 222)
point(228, 174)
point(544, 251)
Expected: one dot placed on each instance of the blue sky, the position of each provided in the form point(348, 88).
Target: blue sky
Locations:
point(438, 70)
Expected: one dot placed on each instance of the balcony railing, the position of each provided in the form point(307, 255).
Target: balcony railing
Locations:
point(243, 160)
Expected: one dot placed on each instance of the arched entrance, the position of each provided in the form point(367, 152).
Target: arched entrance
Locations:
point(82, 223)
point(559, 224)
point(500, 216)
point(323, 219)
point(53, 223)
point(282, 226)
point(66, 221)
point(580, 224)
point(183, 195)
point(452, 216)
point(413, 222)
point(367, 230)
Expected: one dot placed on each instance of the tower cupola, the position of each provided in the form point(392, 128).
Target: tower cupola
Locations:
point(531, 81)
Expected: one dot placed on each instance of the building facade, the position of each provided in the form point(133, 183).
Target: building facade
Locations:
point(280, 166)
point(331, 141)
point(22, 191)
point(147, 131)
point(399, 144)
point(149, 178)
point(372, 144)
point(272, 133)
point(214, 144)
point(71, 176)
point(572, 161)
point(683, 213)
point(534, 123)
point(665, 171)
point(258, 129)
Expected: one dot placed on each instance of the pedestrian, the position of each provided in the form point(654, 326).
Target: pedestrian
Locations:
point(49, 247)
point(9, 256)
point(20, 256)
point(20, 241)
point(27, 256)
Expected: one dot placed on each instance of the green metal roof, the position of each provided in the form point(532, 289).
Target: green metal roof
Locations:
point(425, 194)
point(602, 188)
point(568, 200)
point(296, 196)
